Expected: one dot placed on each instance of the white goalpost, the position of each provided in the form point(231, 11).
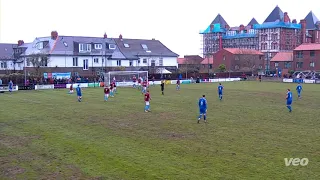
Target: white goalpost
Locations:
point(124, 78)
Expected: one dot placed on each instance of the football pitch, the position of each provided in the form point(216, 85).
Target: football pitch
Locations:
point(47, 134)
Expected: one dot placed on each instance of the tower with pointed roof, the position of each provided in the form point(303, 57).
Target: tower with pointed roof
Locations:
point(312, 29)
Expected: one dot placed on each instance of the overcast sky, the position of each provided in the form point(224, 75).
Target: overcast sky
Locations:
point(175, 23)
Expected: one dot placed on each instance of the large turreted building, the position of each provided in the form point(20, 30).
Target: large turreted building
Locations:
point(278, 33)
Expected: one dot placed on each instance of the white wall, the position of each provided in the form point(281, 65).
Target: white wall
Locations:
point(10, 65)
point(67, 61)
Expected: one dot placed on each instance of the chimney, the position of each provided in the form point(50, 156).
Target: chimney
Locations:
point(54, 35)
point(20, 42)
point(227, 27)
point(286, 18)
point(105, 36)
point(120, 36)
point(294, 21)
point(303, 29)
point(241, 27)
point(211, 27)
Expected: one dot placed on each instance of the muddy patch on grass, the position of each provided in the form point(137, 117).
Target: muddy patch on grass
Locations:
point(69, 172)
point(12, 172)
point(16, 141)
point(174, 135)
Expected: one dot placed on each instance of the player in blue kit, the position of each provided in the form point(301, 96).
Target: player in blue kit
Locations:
point(79, 93)
point(203, 108)
point(289, 100)
point(220, 91)
point(299, 89)
point(10, 86)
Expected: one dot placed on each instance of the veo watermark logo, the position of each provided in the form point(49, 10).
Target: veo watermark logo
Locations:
point(296, 161)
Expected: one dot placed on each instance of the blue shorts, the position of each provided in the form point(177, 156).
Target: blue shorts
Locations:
point(79, 94)
point(220, 92)
point(289, 102)
point(203, 111)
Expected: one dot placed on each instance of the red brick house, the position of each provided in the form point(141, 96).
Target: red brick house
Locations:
point(307, 57)
point(283, 61)
point(236, 59)
point(190, 63)
point(207, 65)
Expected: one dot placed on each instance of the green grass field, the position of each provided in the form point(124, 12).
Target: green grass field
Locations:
point(49, 135)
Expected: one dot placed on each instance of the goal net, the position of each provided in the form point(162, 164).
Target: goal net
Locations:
point(124, 78)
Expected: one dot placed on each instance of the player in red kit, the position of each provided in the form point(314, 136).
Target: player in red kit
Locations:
point(147, 99)
point(178, 85)
point(139, 83)
point(134, 80)
point(106, 93)
point(144, 86)
point(111, 90)
point(71, 89)
point(114, 87)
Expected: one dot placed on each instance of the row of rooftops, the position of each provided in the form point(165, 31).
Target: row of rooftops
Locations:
point(279, 57)
point(114, 48)
point(276, 19)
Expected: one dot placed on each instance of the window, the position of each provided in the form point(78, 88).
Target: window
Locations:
point(153, 63)
point(299, 64)
point(97, 46)
point(287, 65)
point(161, 61)
point(312, 53)
point(102, 60)
point(312, 64)
point(130, 63)
point(144, 61)
point(112, 46)
point(210, 66)
point(139, 61)
point(40, 45)
point(299, 54)
point(145, 47)
point(28, 62)
point(276, 64)
point(126, 45)
point(85, 64)
point(88, 47)
point(84, 47)
point(96, 60)
point(236, 67)
point(3, 64)
point(44, 62)
point(224, 58)
point(75, 61)
point(119, 63)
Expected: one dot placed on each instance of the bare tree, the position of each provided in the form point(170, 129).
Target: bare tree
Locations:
point(38, 61)
point(247, 60)
point(191, 64)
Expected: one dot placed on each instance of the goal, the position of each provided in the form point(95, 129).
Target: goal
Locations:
point(124, 78)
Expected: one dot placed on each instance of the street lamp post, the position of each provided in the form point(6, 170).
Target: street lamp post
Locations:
point(149, 52)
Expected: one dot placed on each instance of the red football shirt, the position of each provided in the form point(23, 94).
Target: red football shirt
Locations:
point(106, 90)
point(147, 97)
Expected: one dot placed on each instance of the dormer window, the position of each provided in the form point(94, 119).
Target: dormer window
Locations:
point(98, 46)
point(39, 45)
point(112, 46)
point(126, 45)
point(145, 47)
point(84, 47)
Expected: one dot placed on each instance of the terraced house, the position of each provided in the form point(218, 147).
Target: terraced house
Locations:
point(93, 55)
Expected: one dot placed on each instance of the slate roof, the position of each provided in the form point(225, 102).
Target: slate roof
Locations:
point(6, 51)
point(275, 15)
point(311, 20)
point(219, 20)
point(252, 22)
point(283, 57)
point(135, 48)
point(68, 45)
